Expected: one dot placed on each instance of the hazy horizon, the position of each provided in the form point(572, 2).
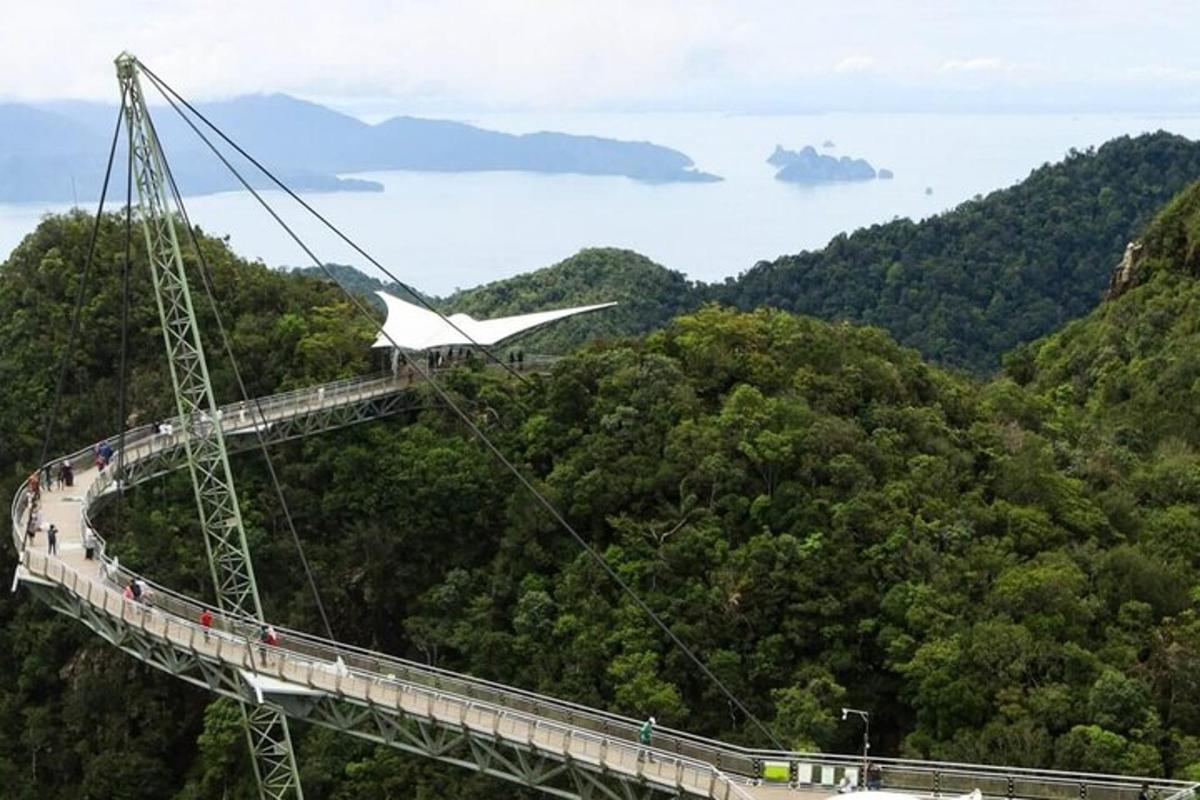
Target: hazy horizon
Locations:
point(378, 110)
point(442, 231)
point(372, 58)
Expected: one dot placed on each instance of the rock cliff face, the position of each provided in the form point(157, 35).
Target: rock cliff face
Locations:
point(1125, 275)
point(1171, 242)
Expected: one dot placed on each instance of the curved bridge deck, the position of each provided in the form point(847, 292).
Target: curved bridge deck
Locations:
point(558, 747)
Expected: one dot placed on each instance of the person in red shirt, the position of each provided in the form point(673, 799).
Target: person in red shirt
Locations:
point(206, 622)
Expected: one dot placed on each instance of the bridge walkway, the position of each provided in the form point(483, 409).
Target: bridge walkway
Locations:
point(558, 747)
point(296, 671)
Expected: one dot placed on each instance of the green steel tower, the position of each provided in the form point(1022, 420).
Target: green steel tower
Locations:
point(208, 461)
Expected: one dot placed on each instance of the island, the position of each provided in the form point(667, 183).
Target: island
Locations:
point(809, 166)
point(44, 148)
point(886, 174)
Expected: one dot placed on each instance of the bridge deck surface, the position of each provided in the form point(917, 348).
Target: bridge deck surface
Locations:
point(63, 507)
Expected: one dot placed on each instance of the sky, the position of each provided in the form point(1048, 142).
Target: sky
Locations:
point(759, 56)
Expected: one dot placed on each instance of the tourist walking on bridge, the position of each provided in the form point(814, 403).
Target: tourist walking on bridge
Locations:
point(266, 636)
point(52, 540)
point(645, 735)
point(206, 620)
point(35, 522)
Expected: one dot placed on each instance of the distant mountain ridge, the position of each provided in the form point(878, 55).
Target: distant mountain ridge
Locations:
point(966, 286)
point(963, 287)
point(44, 148)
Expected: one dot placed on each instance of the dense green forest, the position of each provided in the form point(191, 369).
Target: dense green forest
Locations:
point(1002, 570)
point(966, 286)
point(648, 296)
point(963, 287)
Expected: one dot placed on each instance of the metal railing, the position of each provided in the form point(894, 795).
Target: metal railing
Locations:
point(235, 643)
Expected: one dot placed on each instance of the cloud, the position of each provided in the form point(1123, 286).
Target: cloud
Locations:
point(978, 65)
point(453, 55)
point(1162, 72)
point(854, 64)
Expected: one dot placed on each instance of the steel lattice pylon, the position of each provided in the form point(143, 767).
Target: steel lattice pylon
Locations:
point(207, 458)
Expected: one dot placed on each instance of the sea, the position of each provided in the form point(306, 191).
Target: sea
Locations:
point(444, 231)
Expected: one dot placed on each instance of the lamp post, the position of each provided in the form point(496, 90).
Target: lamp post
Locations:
point(866, 718)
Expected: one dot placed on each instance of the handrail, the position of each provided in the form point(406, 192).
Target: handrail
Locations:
point(40, 564)
point(142, 442)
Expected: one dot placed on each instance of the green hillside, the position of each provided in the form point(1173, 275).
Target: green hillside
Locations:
point(1124, 379)
point(968, 285)
point(647, 293)
point(963, 287)
point(360, 284)
point(1001, 571)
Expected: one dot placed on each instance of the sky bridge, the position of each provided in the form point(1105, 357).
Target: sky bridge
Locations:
point(561, 748)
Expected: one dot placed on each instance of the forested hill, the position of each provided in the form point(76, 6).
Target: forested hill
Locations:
point(1113, 399)
point(962, 287)
point(1002, 571)
point(648, 295)
point(279, 322)
point(360, 284)
point(966, 286)
point(1129, 374)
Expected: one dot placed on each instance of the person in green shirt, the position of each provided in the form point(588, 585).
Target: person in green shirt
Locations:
point(644, 736)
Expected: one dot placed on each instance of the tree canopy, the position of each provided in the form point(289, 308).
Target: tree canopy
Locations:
point(966, 286)
point(1002, 570)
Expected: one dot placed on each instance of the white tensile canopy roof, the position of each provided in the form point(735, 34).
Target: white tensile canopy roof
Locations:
point(411, 327)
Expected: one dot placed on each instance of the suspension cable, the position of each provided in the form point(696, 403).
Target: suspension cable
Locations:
point(166, 89)
point(123, 368)
point(450, 402)
point(206, 281)
point(79, 295)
